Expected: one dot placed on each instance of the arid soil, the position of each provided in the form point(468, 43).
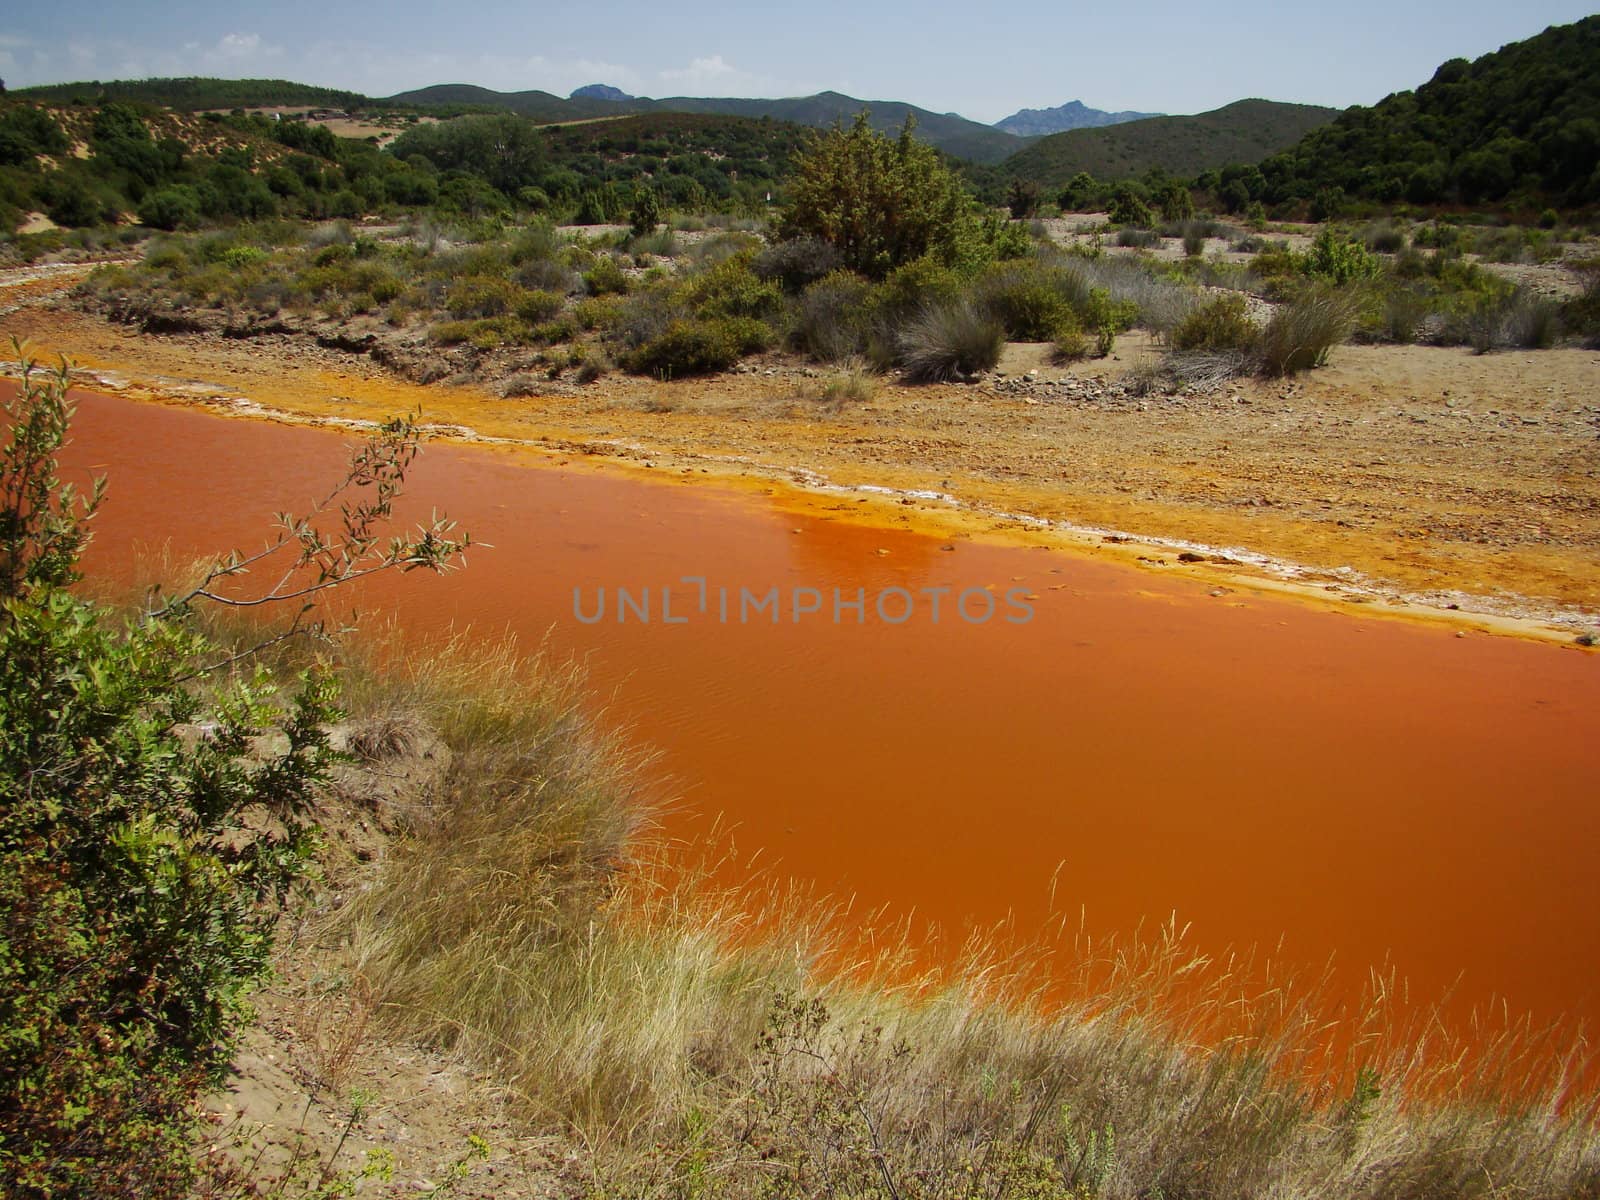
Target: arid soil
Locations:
point(1408, 474)
point(320, 1090)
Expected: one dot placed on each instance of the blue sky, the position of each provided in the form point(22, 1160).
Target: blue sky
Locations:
point(983, 61)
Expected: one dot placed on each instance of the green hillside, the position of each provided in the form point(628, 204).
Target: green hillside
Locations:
point(1522, 121)
point(192, 93)
point(1245, 131)
point(540, 106)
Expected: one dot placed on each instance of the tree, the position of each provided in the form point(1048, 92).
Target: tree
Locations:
point(880, 202)
point(149, 829)
point(646, 214)
point(1022, 199)
point(1128, 206)
point(1175, 202)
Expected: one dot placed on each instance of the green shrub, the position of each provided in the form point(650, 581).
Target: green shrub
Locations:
point(796, 263)
point(731, 288)
point(175, 207)
point(1221, 323)
point(1175, 202)
point(597, 312)
point(534, 307)
point(1194, 244)
point(1143, 239)
point(948, 341)
point(1030, 302)
point(482, 296)
point(1070, 344)
point(1276, 262)
point(605, 278)
point(1339, 260)
point(1128, 207)
point(646, 212)
point(880, 202)
point(687, 347)
point(140, 871)
point(832, 320)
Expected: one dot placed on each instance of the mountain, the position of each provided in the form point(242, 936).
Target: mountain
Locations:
point(1523, 121)
point(953, 134)
point(1074, 114)
point(1245, 131)
point(599, 91)
point(192, 93)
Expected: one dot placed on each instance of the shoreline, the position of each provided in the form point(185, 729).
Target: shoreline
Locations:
point(273, 384)
point(936, 514)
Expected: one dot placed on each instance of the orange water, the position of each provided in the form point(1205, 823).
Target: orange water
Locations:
point(1373, 789)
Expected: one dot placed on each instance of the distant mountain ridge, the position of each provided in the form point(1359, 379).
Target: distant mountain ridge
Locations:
point(953, 134)
point(1074, 114)
point(1245, 131)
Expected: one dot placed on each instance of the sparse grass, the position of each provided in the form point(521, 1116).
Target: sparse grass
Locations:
point(854, 385)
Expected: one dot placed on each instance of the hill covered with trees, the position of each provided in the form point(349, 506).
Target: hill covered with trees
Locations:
point(1245, 131)
point(1523, 121)
point(193, 93)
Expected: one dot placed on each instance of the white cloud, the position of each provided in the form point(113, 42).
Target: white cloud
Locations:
point(233, 49)
point(714, 75)
point(238, 45)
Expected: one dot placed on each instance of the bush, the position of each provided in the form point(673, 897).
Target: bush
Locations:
point(1070, 345)
point(1031, 303)
point(948, 341)
point(142, 871)
point(732, 288)
point(879, 202)
point(170, 208)
point(687, 347)
point(1303, 331)
point(1339, 260)
point(1128, 207)
point(646, 213)
point(482, 296)
point(534, 307)
point(832, 322)
point(1221, 323)
point(598, 312)
point(605, 278)
point(1194, 244)
point(1143, 239)
point(798, 262)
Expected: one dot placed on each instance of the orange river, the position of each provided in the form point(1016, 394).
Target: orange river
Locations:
point(1355, 786)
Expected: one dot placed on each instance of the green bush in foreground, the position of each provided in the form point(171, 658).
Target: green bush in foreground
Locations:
point(153, 817)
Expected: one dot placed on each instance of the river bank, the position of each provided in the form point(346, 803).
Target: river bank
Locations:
point(1422, 480)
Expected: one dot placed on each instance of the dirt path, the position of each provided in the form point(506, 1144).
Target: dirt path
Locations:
point(1416, 473)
